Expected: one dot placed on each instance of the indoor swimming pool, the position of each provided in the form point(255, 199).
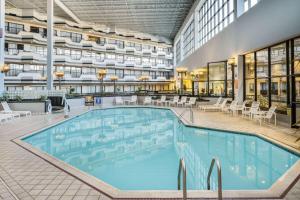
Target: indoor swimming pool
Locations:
point(140, 148)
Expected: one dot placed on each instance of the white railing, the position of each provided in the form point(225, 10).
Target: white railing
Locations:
point(34, 94)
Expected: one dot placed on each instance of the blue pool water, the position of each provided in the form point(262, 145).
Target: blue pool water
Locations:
point(139, 149)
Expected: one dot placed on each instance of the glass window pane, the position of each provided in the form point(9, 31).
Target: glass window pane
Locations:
point(297, 56)
point(250, 93)
point(217, 88)
point(217, 71)
point(262, 63)
point(279, 92)
point(263, 92)
point(249, 62)
point(278, 60)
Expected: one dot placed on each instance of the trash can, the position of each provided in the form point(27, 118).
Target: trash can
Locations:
point(98, 100)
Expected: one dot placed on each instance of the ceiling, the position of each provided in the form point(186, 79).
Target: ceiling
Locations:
point(157, 17)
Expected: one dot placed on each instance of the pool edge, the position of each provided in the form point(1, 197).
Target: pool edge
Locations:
point(277, 190)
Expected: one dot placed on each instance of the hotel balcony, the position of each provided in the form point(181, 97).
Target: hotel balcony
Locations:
point(33, 37)
point(67, 42)
point(129, 63)
point(146, 51)
point(161, 78)
point(110, 62)
point(130, 50)
point(161, 66)
point(130, 78)
point(88, 77)
point(169, 56)
point(146, 65)
point(25, 76)
point(21, 56)
point(161, 53)
point(110, 47)
point(58, 59)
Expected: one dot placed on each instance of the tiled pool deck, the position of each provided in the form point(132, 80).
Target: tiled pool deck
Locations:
point(27, 176)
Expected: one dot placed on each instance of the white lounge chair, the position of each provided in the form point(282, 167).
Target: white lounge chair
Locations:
point(263, 115)
point(6, 117)
point(237, 108)
point(182, 101)
point(218, 103)
point(191, 102)
point(216, 107)
point(133, 100)
point(7, 110)
point(162, 100)
point(147, 100)
point(228, 109)
point(174, 101)
point(250, 111)
point(119, 101)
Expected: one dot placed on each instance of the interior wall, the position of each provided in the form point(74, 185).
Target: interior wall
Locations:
point(267, 23)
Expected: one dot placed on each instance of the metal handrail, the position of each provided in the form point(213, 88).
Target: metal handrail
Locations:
point(191, 114)
point(213, 162)
point(182, 168)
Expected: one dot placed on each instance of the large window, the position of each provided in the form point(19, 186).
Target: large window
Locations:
point(188, 39)
point(178, 52)
point(279, 76)
point(266, 77)
point(213, 17)
point(217, 79)
point(262, 82)
point(297, 68)
point(250, 76)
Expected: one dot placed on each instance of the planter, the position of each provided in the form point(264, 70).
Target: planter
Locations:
point(34, 106)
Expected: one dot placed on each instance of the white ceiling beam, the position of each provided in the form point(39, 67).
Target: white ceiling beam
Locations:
point(67, 11)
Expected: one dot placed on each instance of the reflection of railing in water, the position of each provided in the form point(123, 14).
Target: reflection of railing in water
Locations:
point(213, 162)
point(182, 169)
point(191, 114)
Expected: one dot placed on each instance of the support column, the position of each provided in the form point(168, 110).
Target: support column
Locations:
point(2, 41)
point(240, 72)
point(49, 44)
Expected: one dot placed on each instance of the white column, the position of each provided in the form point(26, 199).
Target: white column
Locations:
point(2, 41)
point(240, 68)
point(49, 44)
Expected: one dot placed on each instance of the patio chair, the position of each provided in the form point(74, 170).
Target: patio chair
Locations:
point(133, 100)
point(162, 100)
point(182, 101)
point(219, 100)
point(7, 110)
point(250, 111)
point(219, 107)
point(228, 109)
point(237, 108)
point(147, 100)
point(6, 117)
point(174, 101)
point(119, 101)
point(191, 102)
point(266, 115)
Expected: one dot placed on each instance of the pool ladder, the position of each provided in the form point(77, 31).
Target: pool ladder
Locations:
point(182, 168)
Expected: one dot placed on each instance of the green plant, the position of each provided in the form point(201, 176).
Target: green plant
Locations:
point(4, 97)
point(43, 98)
point(72, 90)
point(19, 98)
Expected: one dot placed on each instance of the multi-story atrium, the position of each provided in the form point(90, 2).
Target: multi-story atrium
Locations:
point(149, 99)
